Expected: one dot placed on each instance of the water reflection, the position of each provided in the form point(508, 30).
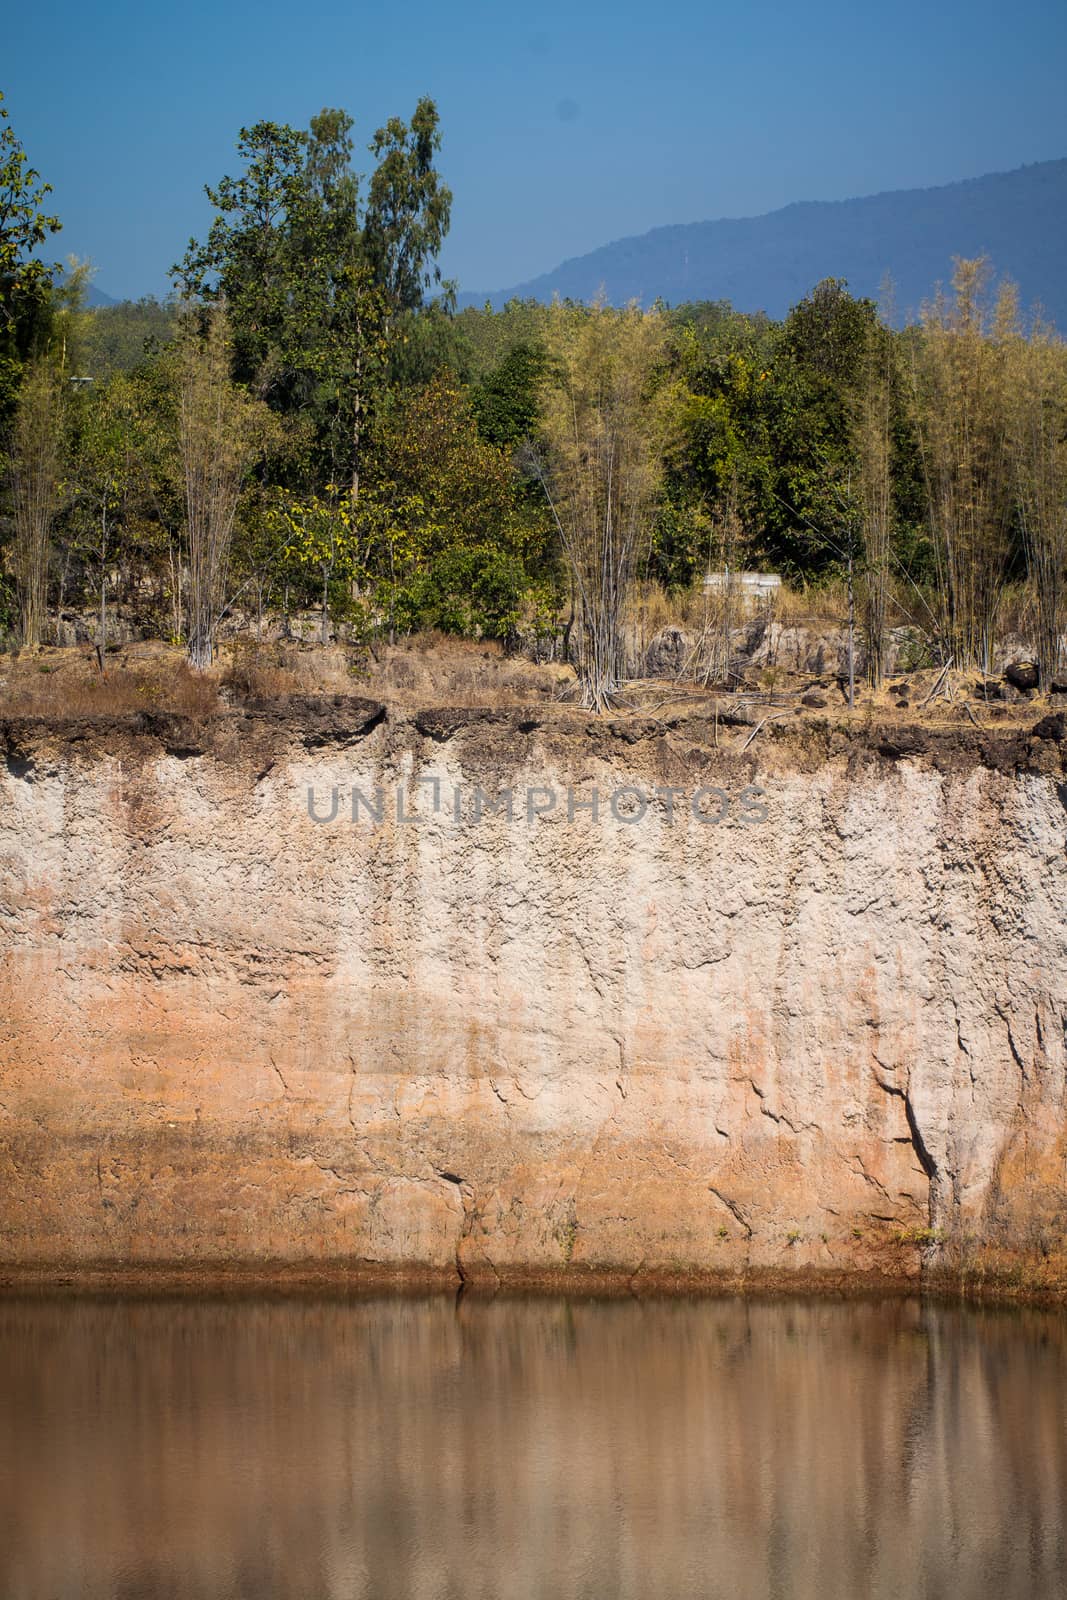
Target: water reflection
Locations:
point(529, 1448)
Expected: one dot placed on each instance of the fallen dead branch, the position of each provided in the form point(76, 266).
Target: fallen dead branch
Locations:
point(941, 680)
point(775, 717)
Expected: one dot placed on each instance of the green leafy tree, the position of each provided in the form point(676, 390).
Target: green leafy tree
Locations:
point(453, 538)
point(475, 591)
point(25, 281)
point(317, 540)
point(427, 444)
point(245, 262)
point(408, 208)
point(507, 402)
point(123, 337)
point(818, 368)
point(112, 495)
point(38, 451)
point(315, 279)
point(24, 225)
point(721, 463)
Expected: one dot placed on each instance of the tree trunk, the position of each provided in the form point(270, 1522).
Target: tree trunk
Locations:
point(851, 635)
point(103, 583)
point(36, 466)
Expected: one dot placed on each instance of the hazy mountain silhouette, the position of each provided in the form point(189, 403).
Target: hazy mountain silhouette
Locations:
point(768, 263)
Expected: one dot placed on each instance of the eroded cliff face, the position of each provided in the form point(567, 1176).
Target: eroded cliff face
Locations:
point(827, 1042)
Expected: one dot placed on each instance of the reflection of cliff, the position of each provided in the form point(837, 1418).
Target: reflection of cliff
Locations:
point(830, 1041)
point(417, 1449)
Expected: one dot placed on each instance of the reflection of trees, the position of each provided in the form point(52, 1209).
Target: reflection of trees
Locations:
point(416, 1448)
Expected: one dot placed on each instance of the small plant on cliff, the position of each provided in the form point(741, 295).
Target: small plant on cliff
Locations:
point(566, 1234)
point(793, 1236)
point(920, 1236)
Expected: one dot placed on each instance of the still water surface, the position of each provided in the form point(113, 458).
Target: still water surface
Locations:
point(435, 1450)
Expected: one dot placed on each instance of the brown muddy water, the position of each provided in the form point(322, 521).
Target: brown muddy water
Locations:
point(440, 1450)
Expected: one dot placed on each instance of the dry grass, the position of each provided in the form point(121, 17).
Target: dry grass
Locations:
point(69, 683)
point(1017, 613)
point(436, 669)
point(251, 672)
point(428, 670)
point(650, 608)
point(811, 606)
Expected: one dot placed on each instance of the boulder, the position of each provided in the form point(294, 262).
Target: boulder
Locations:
point(667, 653)
point(1022, 675)
point(1053, 727)
point(990, 689)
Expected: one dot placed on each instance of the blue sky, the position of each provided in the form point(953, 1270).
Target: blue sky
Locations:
point(565, 126)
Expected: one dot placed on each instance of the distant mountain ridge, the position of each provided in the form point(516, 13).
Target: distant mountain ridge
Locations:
point(768, 263)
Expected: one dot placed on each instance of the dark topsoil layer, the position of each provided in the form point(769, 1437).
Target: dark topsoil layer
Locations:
point(504, 712)
point(713, 729)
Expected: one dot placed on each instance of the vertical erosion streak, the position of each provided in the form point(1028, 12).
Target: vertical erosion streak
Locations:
point(918, 1143)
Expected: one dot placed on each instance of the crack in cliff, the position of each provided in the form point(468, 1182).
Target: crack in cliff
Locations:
point(522, 1091)
point(345, 1182)
point(466, 1222)
point(464, 1192)
point(777, 1117)
point(733, 1208)
point(1015, 1054)
point(918, 1143)
point(780, 1116)
point(869, 1177)
point(962, 1046)
point(351, 1095)
point(278, 1073)
point(501, 1097)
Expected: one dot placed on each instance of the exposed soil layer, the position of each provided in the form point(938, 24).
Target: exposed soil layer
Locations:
point(743, 997)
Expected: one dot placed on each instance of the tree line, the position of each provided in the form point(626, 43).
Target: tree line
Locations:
point(309, 424)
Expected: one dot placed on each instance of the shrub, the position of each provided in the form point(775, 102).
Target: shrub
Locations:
point(477, 591)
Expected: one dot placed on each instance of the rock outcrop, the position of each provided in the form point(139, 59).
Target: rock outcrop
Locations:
point(702, 1007)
